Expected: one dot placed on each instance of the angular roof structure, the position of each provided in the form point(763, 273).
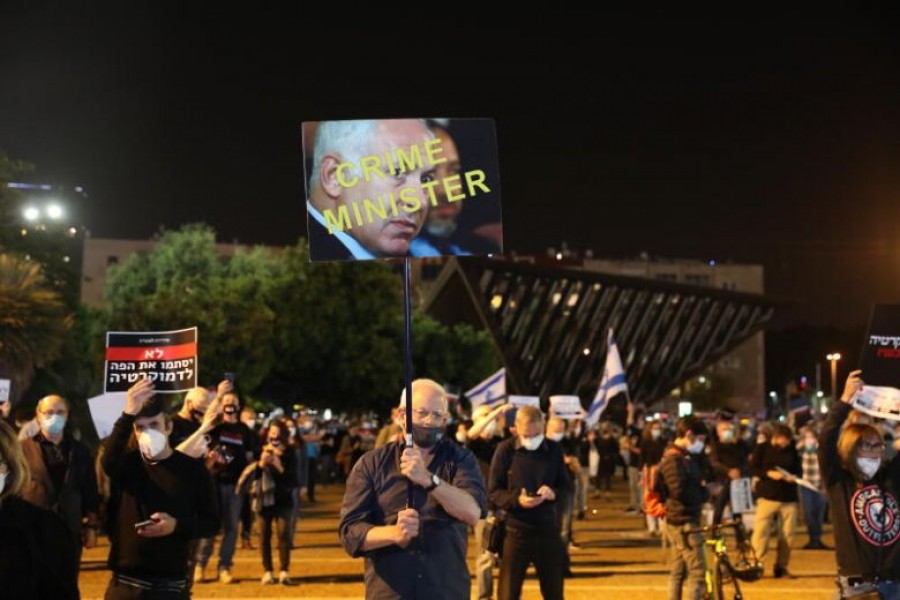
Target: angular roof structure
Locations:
point(550, 324)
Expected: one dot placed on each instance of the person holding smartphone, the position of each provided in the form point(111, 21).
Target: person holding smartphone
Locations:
point(160, 500)
point(528, 475)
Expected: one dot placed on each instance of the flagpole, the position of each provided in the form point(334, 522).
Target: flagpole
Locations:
point(408, 369)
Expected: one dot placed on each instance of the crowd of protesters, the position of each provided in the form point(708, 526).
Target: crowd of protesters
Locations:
point(165, 487)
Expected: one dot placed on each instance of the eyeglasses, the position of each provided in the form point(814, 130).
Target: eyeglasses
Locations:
point(870, 446)
point(422, 414)
point(61, 412)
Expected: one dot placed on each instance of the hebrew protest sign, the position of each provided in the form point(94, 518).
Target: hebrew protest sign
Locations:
point(167, 358)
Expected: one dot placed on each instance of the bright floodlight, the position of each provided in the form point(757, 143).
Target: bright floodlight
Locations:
point(54, 211)
point(31, 213)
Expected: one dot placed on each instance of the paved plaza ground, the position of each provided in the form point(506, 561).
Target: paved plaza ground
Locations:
point(617, 562)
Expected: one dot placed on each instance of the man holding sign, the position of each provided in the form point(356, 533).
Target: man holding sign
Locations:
point(416, 551)
point(160, 501)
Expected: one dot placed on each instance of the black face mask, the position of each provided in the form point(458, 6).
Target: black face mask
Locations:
point(230, 409)
point(426, 437)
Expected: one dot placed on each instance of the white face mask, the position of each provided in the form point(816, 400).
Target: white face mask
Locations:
point(531, 443)
point(868, 466)
point(696, 447)
point(251, 423)
point(2, 482)
point(655, 433)
point(152, 443)
point(555, 436)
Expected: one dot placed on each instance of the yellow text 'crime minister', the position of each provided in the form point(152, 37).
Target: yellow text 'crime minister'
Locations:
point(392, 164)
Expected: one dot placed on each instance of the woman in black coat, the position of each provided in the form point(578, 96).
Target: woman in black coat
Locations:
point(37, 552)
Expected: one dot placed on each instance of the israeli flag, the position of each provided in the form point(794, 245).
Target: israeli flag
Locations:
point(613, 382)
point(491, 391)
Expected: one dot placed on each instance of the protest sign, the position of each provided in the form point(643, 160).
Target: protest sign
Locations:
point(402, 187)
point(566, 407)
point(880, 362)
point(105, 410)
point(520, 401)
point(167, 358)
point(878, 401)
point(741, 495)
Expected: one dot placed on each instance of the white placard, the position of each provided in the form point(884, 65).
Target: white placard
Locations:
point(5, 384)
point(878, 401)
point(520, 401)
point(799, 480)
point(105, 410)
point(741, 496)
point(566, 407)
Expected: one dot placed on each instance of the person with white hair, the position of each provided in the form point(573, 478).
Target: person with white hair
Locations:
point(366, 194)
point(416, 550)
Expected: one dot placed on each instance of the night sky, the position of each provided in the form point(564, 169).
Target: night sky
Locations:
point(769, 140)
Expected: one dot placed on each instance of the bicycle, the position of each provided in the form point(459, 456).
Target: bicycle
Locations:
point(747, 567)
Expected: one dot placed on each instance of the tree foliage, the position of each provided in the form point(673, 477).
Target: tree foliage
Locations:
point(184, 283)
point(33, 321)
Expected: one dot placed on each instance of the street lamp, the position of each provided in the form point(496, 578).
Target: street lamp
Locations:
point(834, 357)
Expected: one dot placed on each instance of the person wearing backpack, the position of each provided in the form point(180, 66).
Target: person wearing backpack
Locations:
point(681, 483)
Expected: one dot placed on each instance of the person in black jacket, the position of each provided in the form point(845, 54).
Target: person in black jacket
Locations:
point(863, 489)
point(684, 490)
point(777, 465)
point(160, 500)
point(276, 502)
point(37, 551)
point(528, 475)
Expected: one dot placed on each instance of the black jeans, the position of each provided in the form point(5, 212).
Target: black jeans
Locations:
point(120, 591)
point(284, 533)
point(543, 548)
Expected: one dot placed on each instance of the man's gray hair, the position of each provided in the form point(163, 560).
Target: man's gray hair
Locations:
point(351, 140)
point(429, 384)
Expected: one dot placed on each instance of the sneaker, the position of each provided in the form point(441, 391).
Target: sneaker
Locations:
point(285, 579)
point(199, 575)
point(268, 578)
point(225, 576)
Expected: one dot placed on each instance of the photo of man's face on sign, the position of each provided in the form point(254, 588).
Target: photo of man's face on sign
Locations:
point(402, 187)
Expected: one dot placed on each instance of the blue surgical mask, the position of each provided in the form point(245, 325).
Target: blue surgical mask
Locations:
point(53, 424)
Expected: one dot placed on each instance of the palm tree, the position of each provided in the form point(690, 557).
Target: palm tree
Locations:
point(33, 322)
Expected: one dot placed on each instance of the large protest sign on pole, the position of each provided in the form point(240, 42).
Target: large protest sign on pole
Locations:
point(167, 358)
point(393, 188)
